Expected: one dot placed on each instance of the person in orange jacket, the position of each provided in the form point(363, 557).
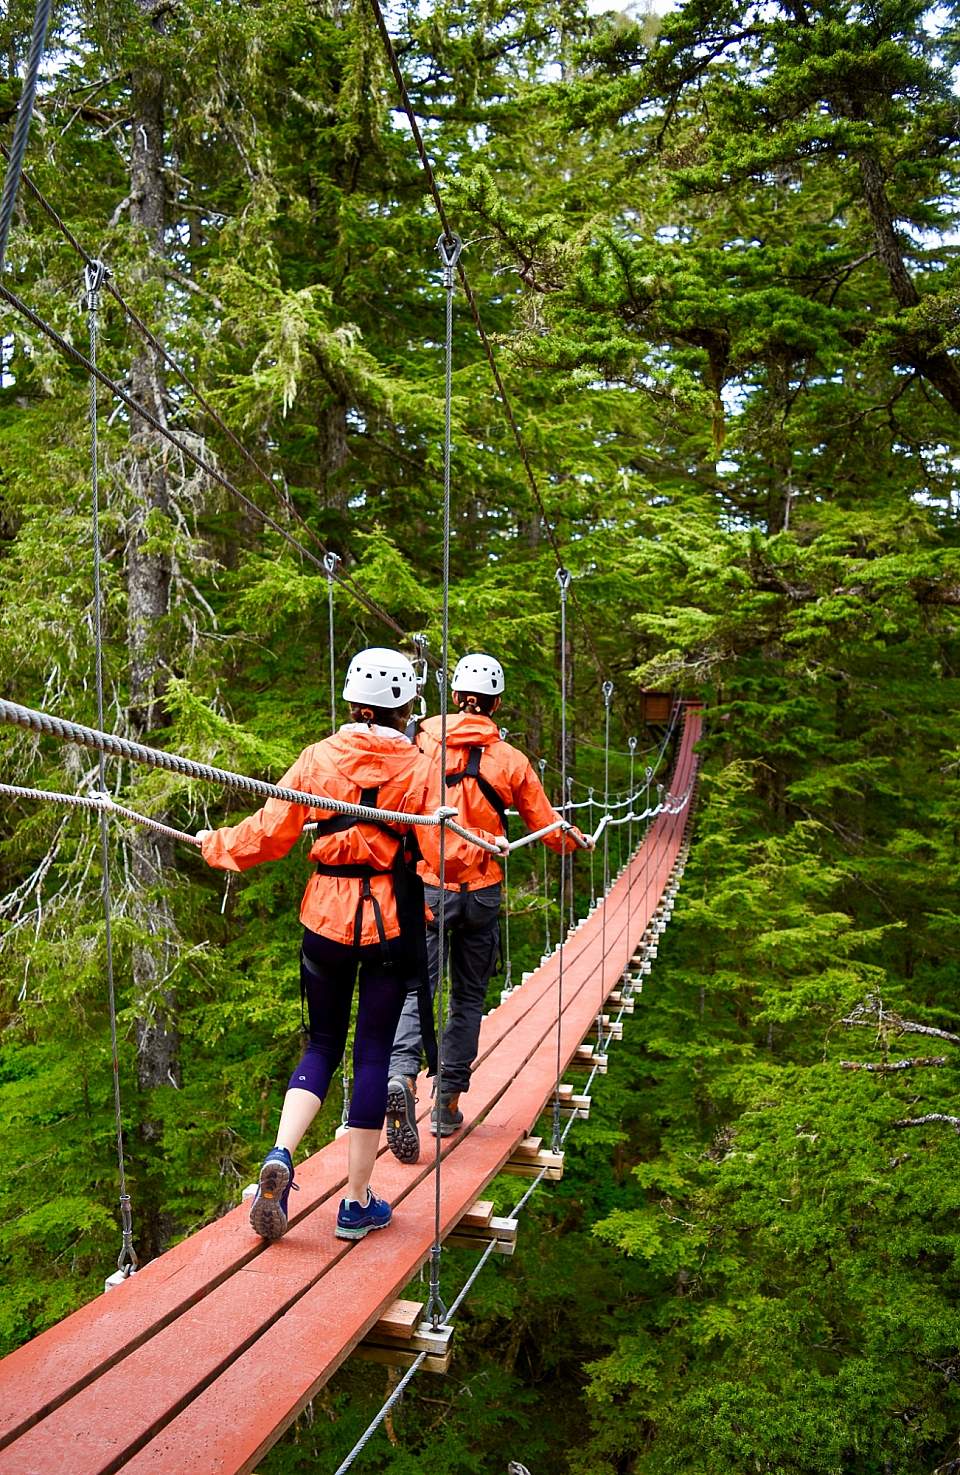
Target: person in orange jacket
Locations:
point(485, 775)
point(362, 913)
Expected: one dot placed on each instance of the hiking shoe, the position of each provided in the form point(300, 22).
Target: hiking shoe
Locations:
point(451, 1118)
point(403, 1138)
point(355, 1220)
point(268, 1215)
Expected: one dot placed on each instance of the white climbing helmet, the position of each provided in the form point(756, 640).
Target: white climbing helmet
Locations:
point(383, 678)
point(479, 673)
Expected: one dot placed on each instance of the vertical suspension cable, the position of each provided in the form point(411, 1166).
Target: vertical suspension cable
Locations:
point(449, 248)
point(607, 698)
point(632, 745)
point(542, 765)
point(564, 581)
point(127, 1261)
point(330, 561)
point(569, 813)
point(508, 963)
point(593, 884)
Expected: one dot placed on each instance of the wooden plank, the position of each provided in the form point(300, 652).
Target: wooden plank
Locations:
point(478, 1216)
point(399, 1320)
point(550, 1164)
point(401, 1356)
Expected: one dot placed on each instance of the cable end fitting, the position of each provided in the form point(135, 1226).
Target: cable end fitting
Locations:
point(94, 276)
point(449, 248)
point(330, 561)
point(564, 579)
point(608, 694)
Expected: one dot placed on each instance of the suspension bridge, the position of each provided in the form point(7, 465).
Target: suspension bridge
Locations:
point(175, 1370)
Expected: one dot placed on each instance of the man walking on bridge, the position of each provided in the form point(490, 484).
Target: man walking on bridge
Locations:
point(485, 775)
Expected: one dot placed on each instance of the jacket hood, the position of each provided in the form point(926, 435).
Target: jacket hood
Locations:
point(366, 758)
point(464, 730)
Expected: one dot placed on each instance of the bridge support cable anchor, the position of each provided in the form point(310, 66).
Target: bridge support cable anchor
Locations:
point(127, 1262)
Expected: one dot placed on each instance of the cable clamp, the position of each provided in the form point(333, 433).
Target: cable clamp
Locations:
point(94, 276)
point(446, 811)
point(102, 797)
point(330, 561)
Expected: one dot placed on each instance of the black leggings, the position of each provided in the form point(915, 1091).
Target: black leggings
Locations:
point(329, 994)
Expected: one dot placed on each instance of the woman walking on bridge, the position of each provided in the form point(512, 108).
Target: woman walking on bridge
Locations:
point(361, 913)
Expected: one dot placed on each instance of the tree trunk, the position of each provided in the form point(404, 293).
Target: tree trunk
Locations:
point(933, 363)
point(148, 594)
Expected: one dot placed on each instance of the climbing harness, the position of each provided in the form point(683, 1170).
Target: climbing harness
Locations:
point(471, 769)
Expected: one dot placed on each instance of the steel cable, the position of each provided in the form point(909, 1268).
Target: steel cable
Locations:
point(21, 130)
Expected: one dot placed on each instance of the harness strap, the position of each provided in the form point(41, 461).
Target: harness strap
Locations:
point(471, 769)
point(334, 824)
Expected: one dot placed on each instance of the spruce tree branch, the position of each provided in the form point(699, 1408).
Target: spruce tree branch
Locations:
point(888, 1066)
point(930, 1116)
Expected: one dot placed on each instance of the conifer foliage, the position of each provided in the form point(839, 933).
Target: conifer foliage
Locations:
point(716, 253)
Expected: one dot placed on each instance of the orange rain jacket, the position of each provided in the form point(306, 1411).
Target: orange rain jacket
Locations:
point(355, 758)
point(510, 773)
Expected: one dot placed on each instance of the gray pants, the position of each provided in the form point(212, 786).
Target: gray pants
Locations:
point(471, 927)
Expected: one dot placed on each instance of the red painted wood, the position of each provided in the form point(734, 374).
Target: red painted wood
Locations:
point(203, 1322)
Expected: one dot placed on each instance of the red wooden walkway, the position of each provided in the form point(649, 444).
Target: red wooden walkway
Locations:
point(198, 1364)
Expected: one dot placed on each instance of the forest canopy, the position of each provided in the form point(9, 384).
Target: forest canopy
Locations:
point(716, 254)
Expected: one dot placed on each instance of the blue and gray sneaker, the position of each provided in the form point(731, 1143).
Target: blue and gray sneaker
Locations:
point(403, 1138)
point(268, 1215)
point(355, 1220)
